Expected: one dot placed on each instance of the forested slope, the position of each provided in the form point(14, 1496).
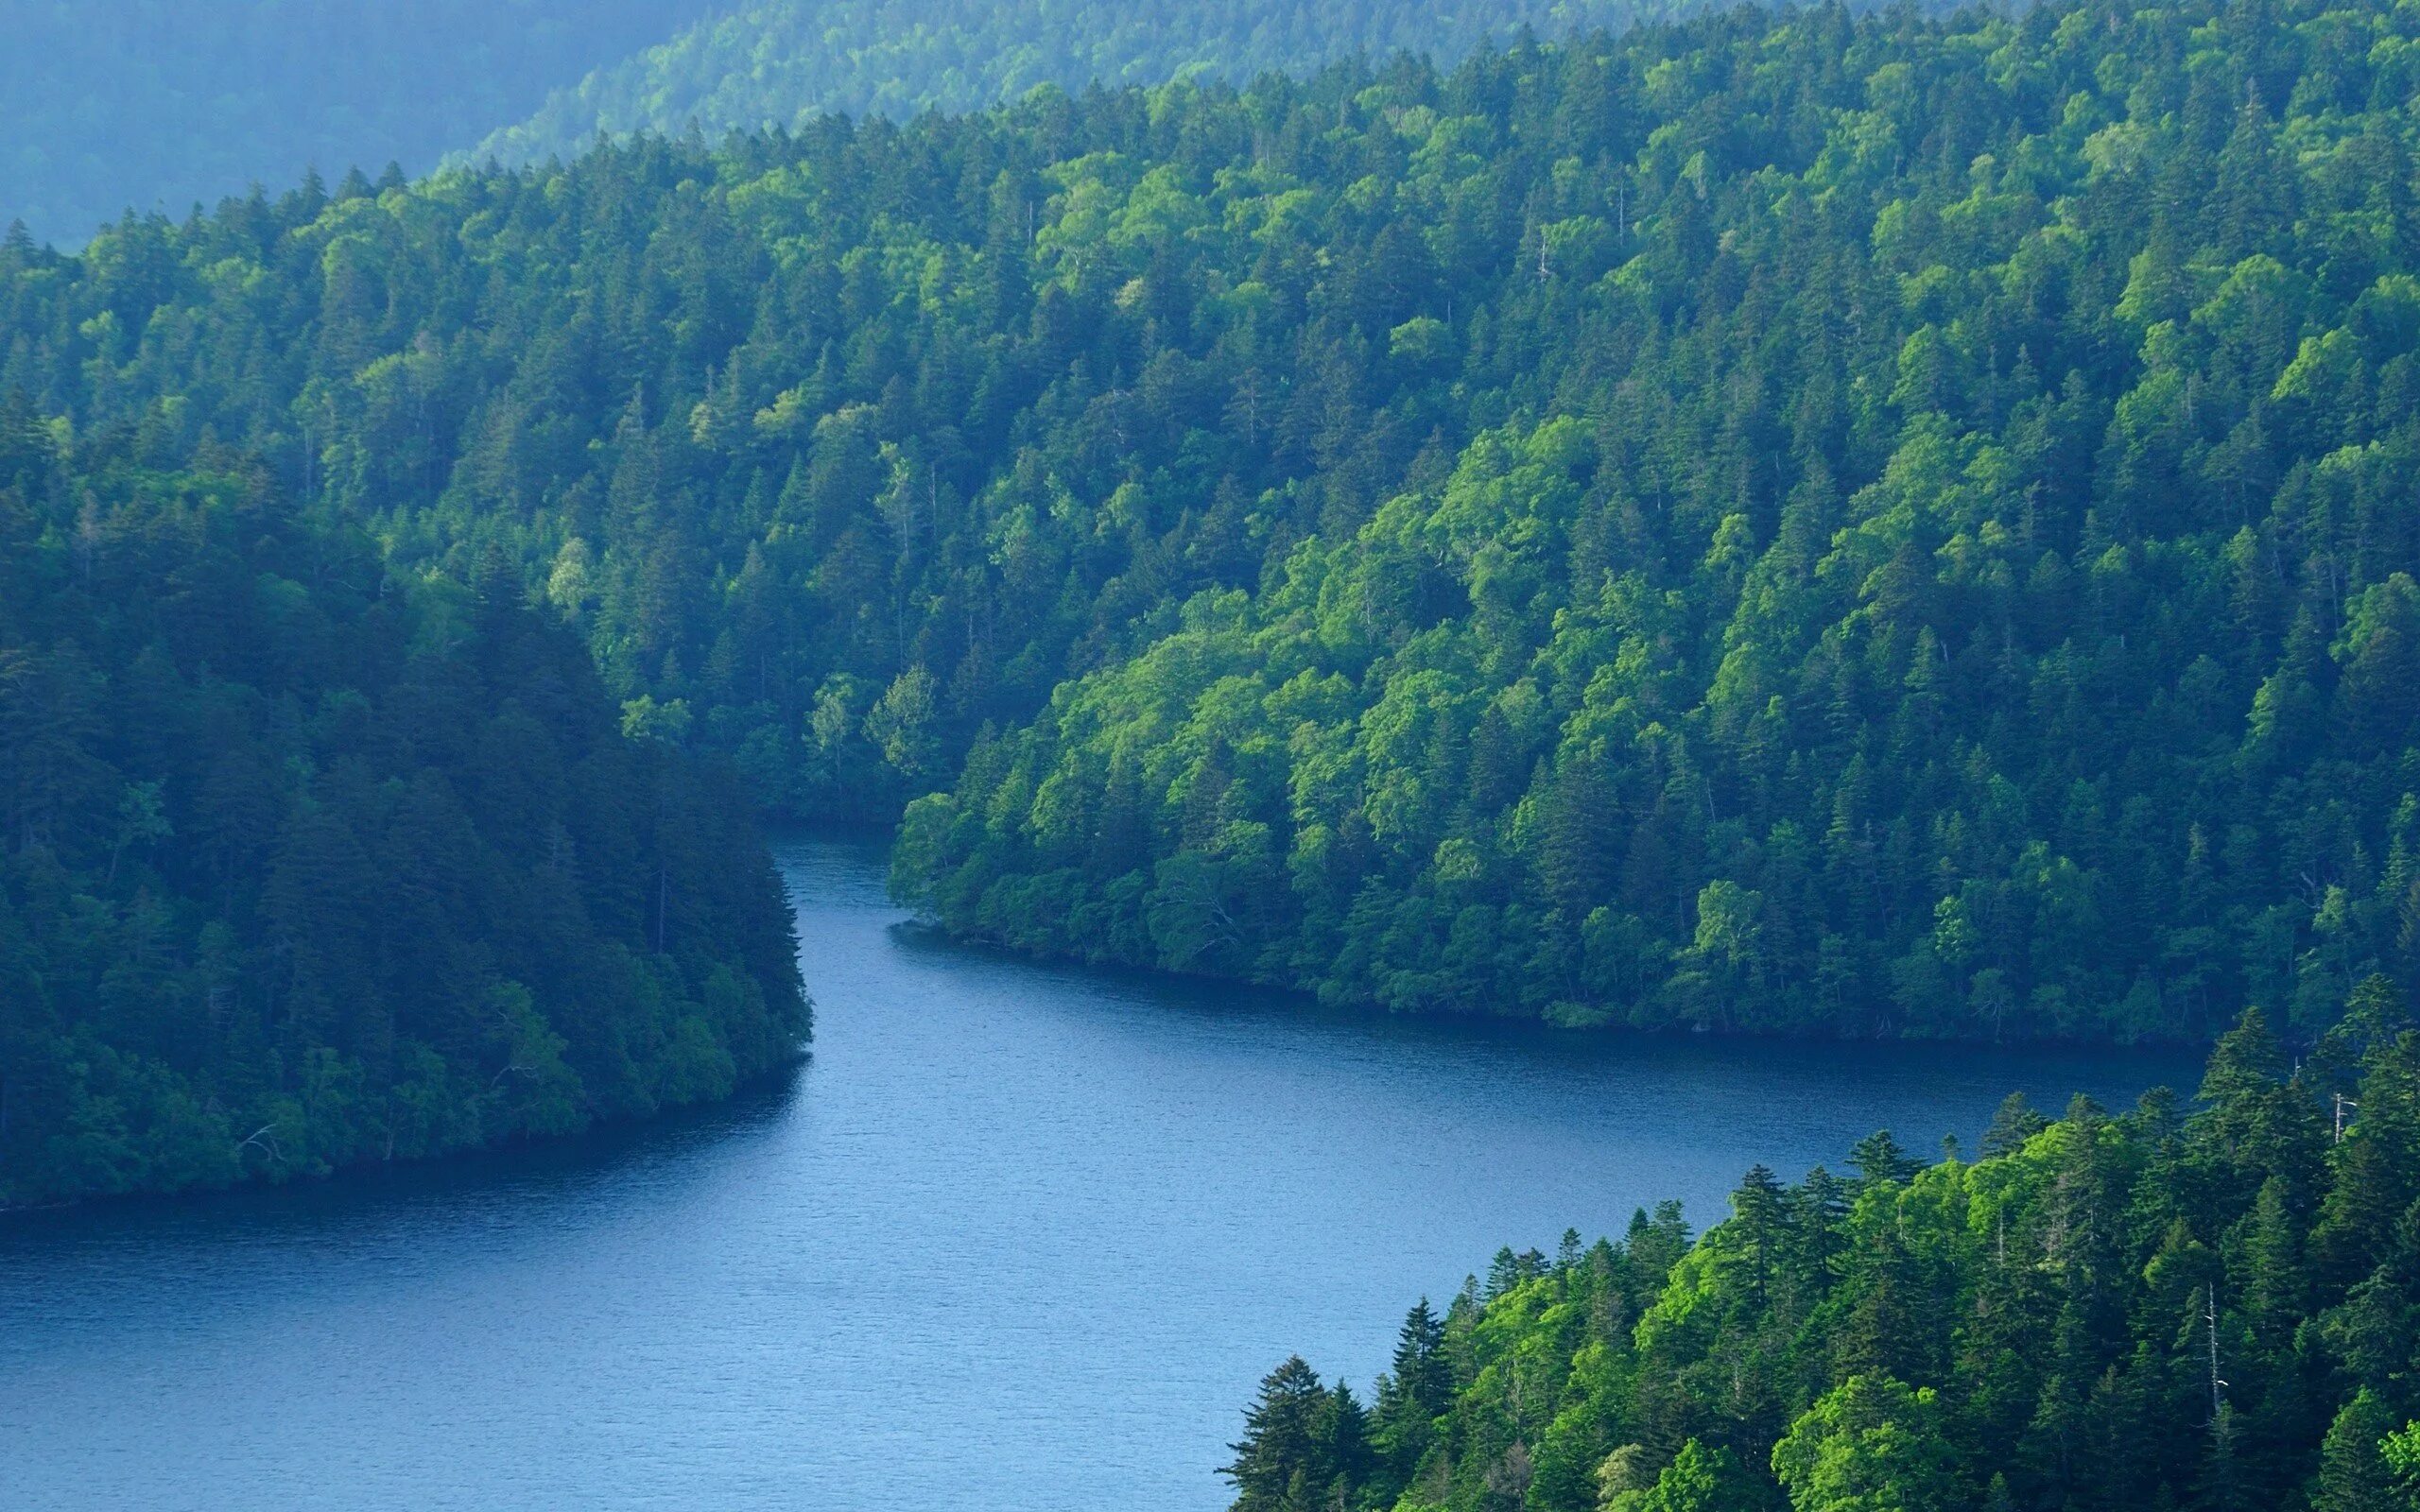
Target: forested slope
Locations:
point(163, 104)
point(2146, 1311)
point(1914, 536)
point(304, 864)
point(781, 63)
point(1797, 522)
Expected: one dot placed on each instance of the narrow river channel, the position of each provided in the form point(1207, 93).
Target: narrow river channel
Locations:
point(1020, 1239)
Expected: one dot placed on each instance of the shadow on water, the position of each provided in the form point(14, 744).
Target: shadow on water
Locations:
point(630, 1158)
point(1114, 996)
point(631, 1163)
point(845, 874)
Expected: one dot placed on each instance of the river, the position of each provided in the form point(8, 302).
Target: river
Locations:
point(1019, 1239)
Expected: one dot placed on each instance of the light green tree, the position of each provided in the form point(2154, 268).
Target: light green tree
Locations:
point(1871, 1444)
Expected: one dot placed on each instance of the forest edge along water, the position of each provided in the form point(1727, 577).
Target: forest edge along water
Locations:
point(1074, 1216)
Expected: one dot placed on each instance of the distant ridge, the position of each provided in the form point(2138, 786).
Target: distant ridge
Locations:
point(779, 62)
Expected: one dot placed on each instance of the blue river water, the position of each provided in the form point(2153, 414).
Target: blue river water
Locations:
point(1018, 1238)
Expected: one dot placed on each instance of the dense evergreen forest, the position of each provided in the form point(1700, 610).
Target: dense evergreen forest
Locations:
point(784, 62)
point(1878, 525)
point(170, 103)
point(2155, 1310)
point(1896, 525)
point(305, 864)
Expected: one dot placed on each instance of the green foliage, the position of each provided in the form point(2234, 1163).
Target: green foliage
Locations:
point(304, 864)
point(2037, 1329)
point(2353, 1474)
point(2400, 1451)
point(1698, 1480)
point(166, 103)
point(1302, 1444)
point(781, 63)
point(1801, 520)
point(1825, 592)
point(1868, 1445)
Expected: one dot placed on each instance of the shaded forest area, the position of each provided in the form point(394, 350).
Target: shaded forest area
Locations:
point(303, 865)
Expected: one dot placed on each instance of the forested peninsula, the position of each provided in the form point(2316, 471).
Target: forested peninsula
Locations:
point(2156, 1309)
point(305, 865)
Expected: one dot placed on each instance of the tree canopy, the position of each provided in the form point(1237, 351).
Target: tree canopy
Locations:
point(2161, 1308)
point(1901, 530)
point(305, 864)
point(781, 63)
point(1806, 521)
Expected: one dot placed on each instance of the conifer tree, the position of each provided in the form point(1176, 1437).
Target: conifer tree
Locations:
point(1302, 1444)
point(2354, 1475)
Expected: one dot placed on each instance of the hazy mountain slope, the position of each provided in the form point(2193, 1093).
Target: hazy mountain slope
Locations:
point(160, 103)
point(778, 62)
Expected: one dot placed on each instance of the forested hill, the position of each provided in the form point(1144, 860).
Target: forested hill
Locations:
point(2146, 1311)
point(1867, 524)
point(170, 103)
point(1907, 529)
point(784, 62)
point(304, 865)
